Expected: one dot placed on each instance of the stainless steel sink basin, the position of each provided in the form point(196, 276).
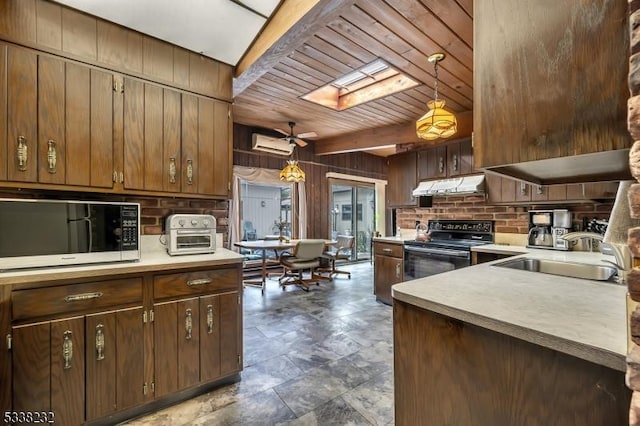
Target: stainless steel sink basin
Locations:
point(565, 269)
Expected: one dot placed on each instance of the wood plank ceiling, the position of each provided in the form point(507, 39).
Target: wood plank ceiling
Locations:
point(401, 32)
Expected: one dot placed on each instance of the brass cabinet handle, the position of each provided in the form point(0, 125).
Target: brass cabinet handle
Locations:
point(67, 349)
point(387, 250)
point(115, 177)
point(201, 281)
point(99, 342)
point(398, 270)
point(209, 319)
point(441, 165)
point(455, 162)
point(121, 177)
point(23, 153)
point(539, 189)
point(172, 170)
point(188, 323)
point(51, 156)
point(83, 296)
point(190, 172)
point(523, 188)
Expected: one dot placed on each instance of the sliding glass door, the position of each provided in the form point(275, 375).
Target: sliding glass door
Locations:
point(352, 212)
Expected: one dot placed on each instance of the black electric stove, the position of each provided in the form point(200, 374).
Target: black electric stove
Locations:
point(448, 249)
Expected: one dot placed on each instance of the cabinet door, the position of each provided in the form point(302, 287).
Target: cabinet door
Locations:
point(189, 350)
point(437, 162)
point(210, 331)
point(165, 342)
point(388, 271)
point(22, 87)
point(222, 147)
point(101, 129)
point(48, 369)
point(101, 365)
point(67, 370)
point(206, 164)
point(129, 358)
point(402, 179)
point(133, 134)
point(51, 120)
point(31, 354)
point(189, 145)
point(230, 332)
point(153, 143)
point(171, 164)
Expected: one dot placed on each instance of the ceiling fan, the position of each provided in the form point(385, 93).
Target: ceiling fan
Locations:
point(297, 139)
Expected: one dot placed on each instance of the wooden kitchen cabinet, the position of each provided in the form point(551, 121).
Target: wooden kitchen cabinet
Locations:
point(402, 178)
point(446, 160)
point(57, 112)
point(388, 269)
point(580, 108)
point(92, 359)
point(196, 336)
point(21, 87)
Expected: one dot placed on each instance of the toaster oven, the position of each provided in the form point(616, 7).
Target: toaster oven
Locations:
point(190, 234)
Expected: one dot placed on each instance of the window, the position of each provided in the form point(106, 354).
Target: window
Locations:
point(346, 212)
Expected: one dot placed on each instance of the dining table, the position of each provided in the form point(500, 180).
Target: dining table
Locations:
point(265, 245)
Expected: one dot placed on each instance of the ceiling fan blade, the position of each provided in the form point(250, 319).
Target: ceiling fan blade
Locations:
point(300, 142)
point(282, 131)
point(308, 135)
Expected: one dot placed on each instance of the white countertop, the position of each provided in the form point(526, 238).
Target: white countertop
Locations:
point(583, 318)
point(153, 258)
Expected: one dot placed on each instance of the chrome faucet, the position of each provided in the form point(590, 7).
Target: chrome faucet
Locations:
point(620, 251)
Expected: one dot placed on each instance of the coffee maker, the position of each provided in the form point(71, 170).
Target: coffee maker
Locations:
point(546, 228)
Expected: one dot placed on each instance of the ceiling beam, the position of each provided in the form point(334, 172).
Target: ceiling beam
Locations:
point(390, 135)
point(294, 22)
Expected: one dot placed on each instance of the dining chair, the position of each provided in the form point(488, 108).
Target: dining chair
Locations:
point(341, 250)
point(306, 256)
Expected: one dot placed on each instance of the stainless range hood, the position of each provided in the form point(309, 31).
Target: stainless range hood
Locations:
point(454, 186)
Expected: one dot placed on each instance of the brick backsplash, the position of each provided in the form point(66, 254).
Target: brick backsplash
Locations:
point(508, 219)
point(153, 210)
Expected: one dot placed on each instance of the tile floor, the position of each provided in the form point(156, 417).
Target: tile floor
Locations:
point(319, 358)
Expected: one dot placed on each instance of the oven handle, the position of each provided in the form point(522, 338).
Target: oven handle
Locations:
point(439, 252)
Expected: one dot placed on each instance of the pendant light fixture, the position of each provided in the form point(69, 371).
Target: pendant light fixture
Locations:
point(292, 172)
point(437, 122)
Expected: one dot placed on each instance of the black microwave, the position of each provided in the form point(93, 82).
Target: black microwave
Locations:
point(38, 233)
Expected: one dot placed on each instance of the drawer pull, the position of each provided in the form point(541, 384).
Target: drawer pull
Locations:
point(83, 296)
point(209, 319)
point(99, 342)
point(387, 250)
point(201, 281)
point(67, 349)
point(188, 323)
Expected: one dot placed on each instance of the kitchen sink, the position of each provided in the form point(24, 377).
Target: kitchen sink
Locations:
point(565, 269)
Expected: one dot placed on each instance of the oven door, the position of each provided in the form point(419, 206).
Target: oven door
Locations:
point(420, 262)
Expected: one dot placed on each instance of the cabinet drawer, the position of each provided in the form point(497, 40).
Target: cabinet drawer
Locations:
point(72, 298)
point(172, 285)
point(388, 249)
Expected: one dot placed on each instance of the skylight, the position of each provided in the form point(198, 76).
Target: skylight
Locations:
point(373, 81)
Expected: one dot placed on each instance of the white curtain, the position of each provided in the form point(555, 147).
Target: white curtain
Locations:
point(269, 177)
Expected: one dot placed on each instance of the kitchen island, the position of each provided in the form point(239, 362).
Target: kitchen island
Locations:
point(487, 345)
point(97, 344)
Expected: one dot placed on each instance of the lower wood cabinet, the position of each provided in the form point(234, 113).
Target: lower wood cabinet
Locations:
point(95, 351)
point(388, 269)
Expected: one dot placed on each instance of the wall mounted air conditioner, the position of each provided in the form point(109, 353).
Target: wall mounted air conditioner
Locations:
point(272, 145)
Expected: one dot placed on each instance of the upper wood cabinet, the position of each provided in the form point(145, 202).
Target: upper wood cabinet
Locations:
point(553, 98)
point(446, 160)
point(56, 115)
point(402, 178)
point(504, 190)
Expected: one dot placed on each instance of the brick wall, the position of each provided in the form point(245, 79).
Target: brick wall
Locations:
point(508, 219)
